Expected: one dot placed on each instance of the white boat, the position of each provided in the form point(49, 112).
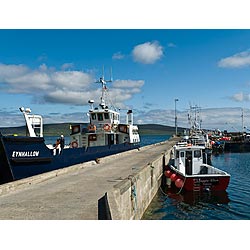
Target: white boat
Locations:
point(188, 170)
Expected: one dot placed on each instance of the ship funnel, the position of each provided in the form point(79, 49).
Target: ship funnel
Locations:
point(130, 117)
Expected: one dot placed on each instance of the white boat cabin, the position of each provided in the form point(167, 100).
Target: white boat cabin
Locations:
point(104, 129)
point(191, 160)
point(104, 125)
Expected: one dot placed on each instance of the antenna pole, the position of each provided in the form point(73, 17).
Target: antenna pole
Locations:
point(242, 117)
point(175, 100)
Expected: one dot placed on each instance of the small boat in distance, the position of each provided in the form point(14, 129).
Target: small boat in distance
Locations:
point(188, 170)
point(25, 156)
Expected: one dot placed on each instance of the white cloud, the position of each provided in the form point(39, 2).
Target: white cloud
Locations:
point(123, 90)
point(67, 66)
point(11, 71)
point(240, 97)
point(171, 45)
point(238, 60)
point(212, 118)
point(72, 80)
point(128, 84)
point(43, 67)
point(118, 56)
point(46, 85)
point(67, 96)
point(147, 53)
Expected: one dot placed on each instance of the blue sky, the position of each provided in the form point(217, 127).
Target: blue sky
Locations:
point(53, 72)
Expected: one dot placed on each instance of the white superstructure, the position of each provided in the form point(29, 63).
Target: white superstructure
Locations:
point(104, 125)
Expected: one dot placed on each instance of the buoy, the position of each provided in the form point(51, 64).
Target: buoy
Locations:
point(107, 127)
point(173, 177)
point(179, 183)
point(74, 144)
point(167, 173)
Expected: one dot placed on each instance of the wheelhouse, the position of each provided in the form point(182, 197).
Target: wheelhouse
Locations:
point(188, 160)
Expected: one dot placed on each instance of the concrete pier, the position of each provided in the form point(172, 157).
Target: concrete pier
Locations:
point(117, 187)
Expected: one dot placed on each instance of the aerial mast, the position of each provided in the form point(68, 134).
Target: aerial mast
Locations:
point(242, 119)
point(104, 87)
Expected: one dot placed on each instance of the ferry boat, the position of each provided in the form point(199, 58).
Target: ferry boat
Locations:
point(25, 156)
point(188, 170)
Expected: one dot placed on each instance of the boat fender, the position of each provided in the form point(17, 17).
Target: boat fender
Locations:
point(107, 127)
point(179, 183)
point(74, 144)
point(168, 173)
point(173, 177)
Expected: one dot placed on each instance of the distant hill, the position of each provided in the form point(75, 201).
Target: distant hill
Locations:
point(64, 128)
point(156, 129)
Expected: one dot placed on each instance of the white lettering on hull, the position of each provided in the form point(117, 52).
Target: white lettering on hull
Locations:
point(16, 154)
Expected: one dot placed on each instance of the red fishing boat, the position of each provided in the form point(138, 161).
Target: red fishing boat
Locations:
point(188, 170)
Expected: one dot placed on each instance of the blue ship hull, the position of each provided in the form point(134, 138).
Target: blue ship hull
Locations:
point(22, 157)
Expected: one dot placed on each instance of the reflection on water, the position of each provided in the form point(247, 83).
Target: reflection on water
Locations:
point(168, 205)
point(194, 198)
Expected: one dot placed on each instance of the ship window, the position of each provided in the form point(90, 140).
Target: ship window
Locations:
point(197, 153)
point(100, 116)
point(106, 116)
point(182, 154)
point(93, 116)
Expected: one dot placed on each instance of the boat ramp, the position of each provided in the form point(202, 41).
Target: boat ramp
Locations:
point(117, 187)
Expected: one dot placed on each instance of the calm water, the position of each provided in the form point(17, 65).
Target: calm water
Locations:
point(234, 204)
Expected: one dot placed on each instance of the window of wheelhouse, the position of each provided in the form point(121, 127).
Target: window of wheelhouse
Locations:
point(197, 154)
point(93, 116)
point(106, 116)
point(100, 116)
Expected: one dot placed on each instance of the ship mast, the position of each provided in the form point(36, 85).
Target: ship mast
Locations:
point(242, 119)
point(194, 119)
point(104, 88)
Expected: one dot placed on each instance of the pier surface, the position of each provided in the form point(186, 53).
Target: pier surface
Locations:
point(73, 193)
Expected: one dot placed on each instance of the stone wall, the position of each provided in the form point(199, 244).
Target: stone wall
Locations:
point(130, 198)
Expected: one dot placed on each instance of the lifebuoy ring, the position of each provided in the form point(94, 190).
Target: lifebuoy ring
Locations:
point(92, 127)
point(74, 144)
point(107, 127)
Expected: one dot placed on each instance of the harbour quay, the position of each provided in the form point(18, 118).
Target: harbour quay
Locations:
point(118, 187)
